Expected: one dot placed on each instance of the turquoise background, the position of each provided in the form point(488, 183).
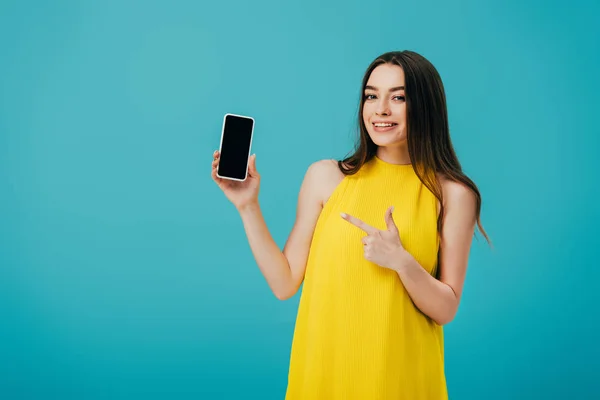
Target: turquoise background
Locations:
point(126, 274)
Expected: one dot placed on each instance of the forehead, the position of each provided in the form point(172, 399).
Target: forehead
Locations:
point(386, 76)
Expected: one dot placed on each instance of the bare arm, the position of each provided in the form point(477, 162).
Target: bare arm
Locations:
point(439, 299)
point(284, 270)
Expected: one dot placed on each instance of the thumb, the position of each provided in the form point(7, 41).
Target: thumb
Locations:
point(253, 164)
point(389, 220)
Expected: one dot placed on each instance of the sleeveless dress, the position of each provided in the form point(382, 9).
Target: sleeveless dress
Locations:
point(358, 334)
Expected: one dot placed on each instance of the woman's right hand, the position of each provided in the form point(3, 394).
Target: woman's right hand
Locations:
point(241, 194)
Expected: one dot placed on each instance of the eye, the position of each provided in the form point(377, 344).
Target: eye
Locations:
point(401, 98)
point(369, 96)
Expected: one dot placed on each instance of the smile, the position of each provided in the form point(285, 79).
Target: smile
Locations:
point(384, 124)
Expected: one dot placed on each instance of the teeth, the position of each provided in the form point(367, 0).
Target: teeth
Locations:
point(383, 125)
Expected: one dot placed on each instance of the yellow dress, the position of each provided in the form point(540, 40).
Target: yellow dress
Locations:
point(358, 334)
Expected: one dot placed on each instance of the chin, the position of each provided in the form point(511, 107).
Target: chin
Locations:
point(383, 140)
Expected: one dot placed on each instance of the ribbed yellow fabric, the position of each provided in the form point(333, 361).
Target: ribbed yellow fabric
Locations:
point(358, 334)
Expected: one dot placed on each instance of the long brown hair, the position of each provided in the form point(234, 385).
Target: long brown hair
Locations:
point(428, 136)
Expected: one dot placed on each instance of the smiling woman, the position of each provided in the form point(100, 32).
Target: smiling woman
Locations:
point(381, 280)
point(377, 115)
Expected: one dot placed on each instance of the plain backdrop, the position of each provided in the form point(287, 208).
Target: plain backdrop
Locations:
point(124, 271)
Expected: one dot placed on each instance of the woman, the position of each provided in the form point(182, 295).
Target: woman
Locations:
point(381, 242)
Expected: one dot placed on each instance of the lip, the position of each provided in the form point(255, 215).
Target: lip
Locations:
point(383, 122)
point(383, 129)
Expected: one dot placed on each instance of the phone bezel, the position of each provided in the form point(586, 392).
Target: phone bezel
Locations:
point(249, 148)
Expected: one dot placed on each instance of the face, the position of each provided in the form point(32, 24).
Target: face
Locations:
point(384, 109)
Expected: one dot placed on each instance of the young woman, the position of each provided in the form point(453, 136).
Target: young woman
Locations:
point(381, 243)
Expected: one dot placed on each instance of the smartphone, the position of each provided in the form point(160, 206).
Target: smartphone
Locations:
point(235, 147)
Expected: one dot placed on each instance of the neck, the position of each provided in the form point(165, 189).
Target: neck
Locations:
point(394, 155)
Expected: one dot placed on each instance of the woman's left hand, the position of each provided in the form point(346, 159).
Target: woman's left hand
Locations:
point(381, 247)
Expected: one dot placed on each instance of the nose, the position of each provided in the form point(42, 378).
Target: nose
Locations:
point(382, 108)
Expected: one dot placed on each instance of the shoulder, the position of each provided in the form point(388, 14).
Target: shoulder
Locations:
point(457, 196)
point(324, 175)
point(325, 166)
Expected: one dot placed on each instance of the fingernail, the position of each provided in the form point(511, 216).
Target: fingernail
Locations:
point(344, 215)
point(392, 208)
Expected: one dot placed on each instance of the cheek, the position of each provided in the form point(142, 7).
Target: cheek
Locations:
point(400, 111)
point(365, 118)
point(366, 112)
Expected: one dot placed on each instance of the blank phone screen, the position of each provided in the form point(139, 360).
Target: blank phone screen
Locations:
point(235, 146)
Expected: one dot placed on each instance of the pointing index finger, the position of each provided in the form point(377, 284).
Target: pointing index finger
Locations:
point(360, 224)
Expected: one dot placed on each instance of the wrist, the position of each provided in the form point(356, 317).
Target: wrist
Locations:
point(401, 260)
point(249, 208)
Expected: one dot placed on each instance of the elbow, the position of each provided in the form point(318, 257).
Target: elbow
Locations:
point(447, 311)
point(445, 318)
point(281, 295)
point(286, 290)
point(284, 294)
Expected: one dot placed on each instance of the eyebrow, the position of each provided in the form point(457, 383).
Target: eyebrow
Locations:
point(391, 90)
